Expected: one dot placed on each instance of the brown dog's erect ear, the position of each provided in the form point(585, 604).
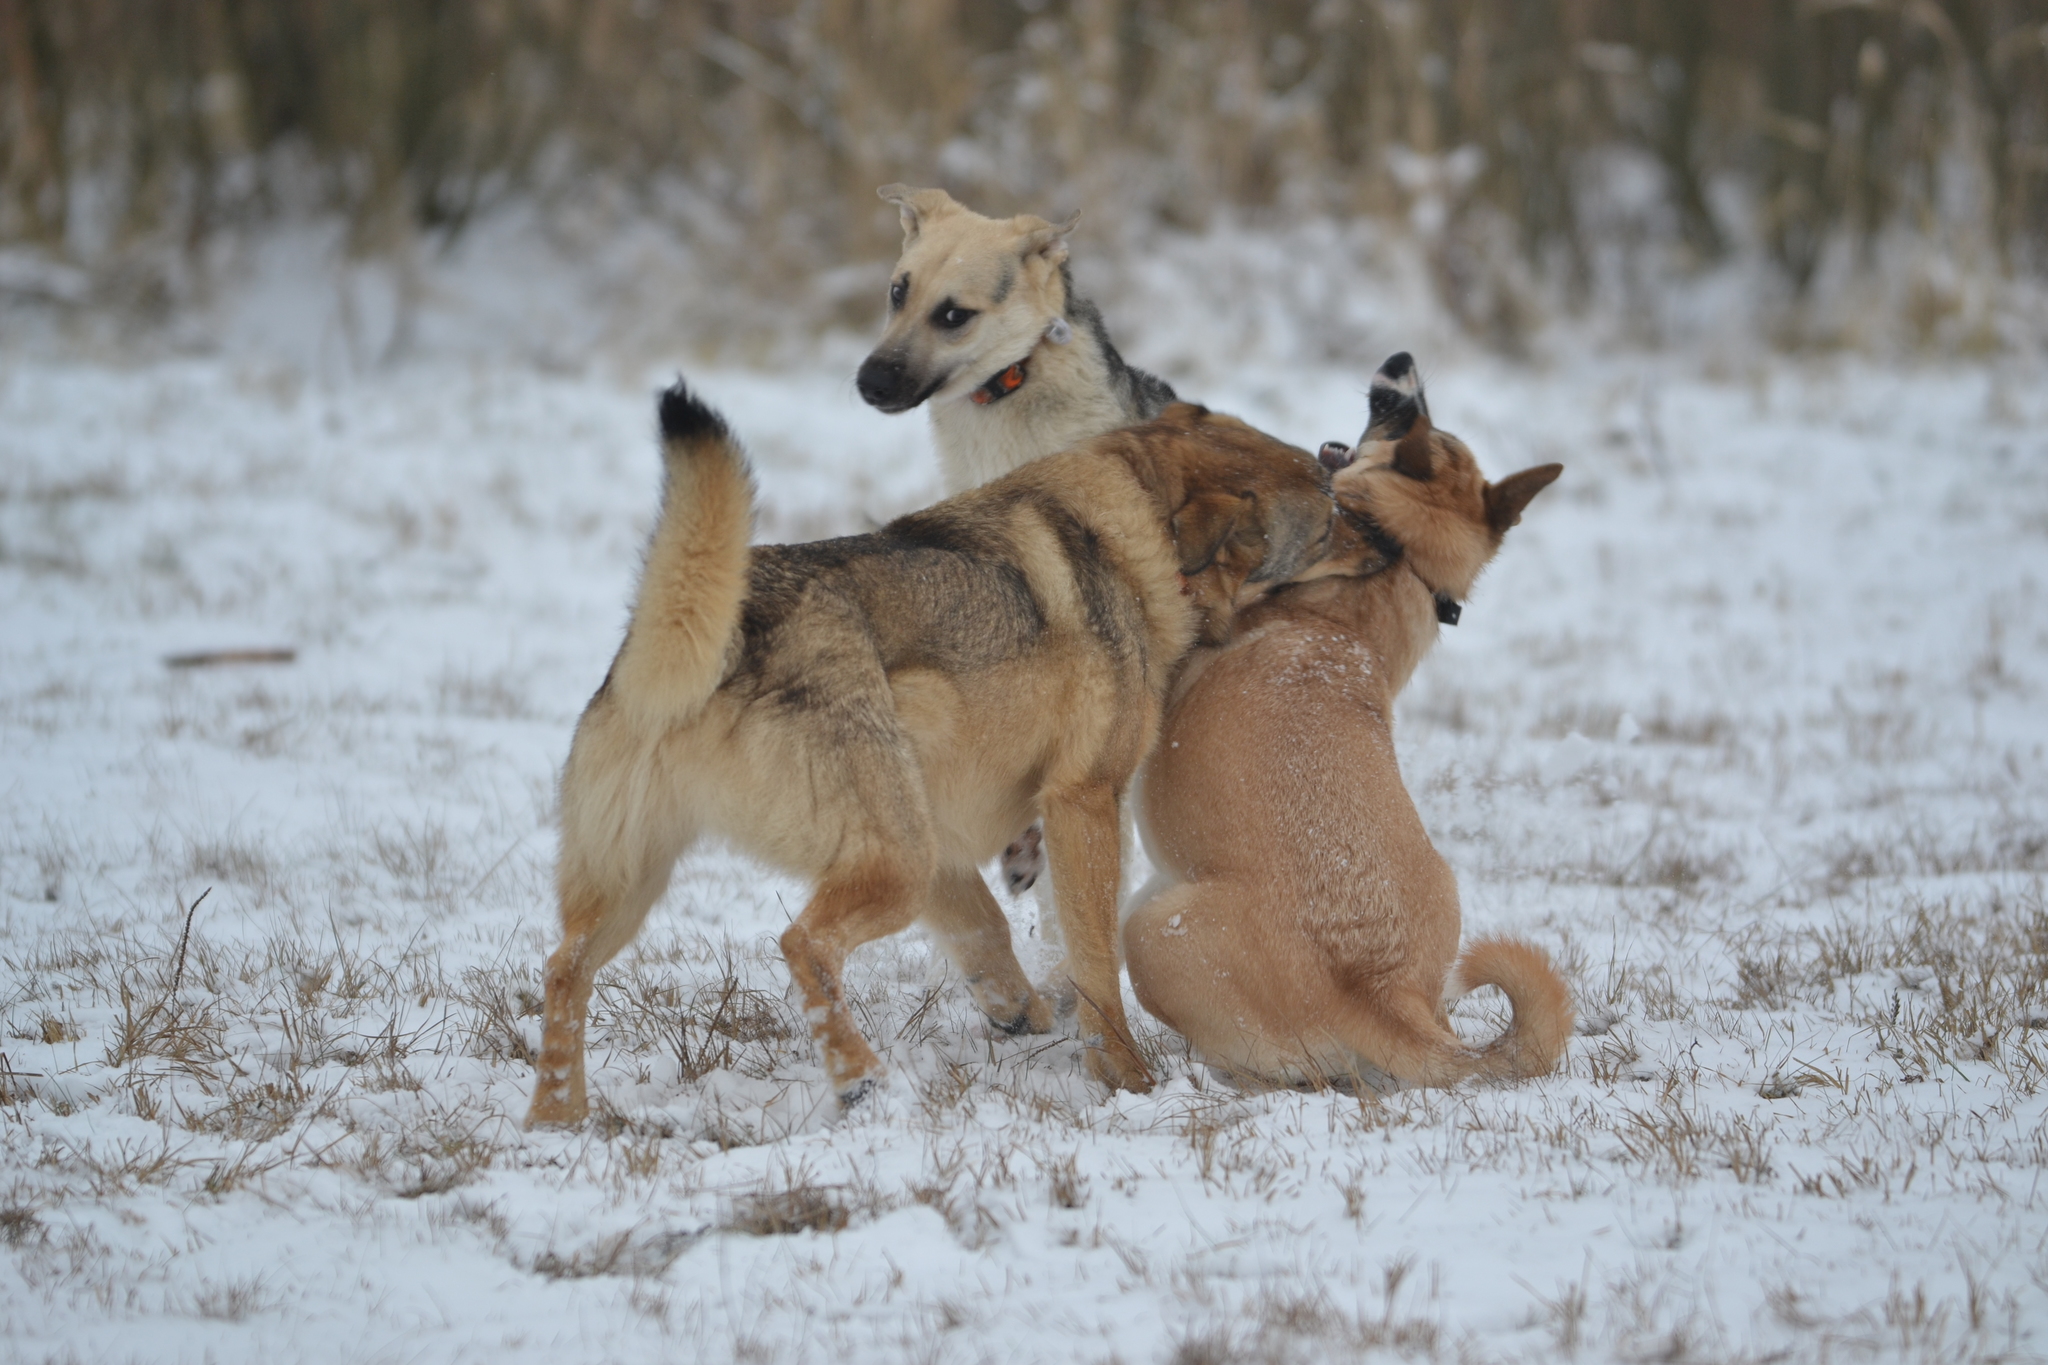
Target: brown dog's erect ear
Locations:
point(1412, 453)
point(1506, 499)
point(1049, 239)
point(917, 207)
point(1202, 526)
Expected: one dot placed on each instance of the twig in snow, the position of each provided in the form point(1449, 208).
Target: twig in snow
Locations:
point(178, 976)
point(209, 658)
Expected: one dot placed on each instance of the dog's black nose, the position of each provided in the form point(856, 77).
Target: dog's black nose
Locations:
point(880, 382)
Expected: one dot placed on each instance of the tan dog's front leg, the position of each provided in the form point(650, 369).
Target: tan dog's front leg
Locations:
point(1084, 838)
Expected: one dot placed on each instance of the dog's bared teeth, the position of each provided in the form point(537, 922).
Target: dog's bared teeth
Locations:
point(1336, 454)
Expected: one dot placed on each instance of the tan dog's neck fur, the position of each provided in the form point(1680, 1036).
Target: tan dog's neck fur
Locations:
point(1012, 276)
point(1303, 928)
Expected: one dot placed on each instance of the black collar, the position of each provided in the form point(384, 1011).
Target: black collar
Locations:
point(1002, 385)
point(1392, 552)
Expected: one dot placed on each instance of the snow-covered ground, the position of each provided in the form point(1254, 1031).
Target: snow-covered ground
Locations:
point(1746, 724)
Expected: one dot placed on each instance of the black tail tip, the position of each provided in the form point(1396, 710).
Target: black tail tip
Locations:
point(684, 415)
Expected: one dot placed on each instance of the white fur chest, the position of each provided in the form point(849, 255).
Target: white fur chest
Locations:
point(979, 443)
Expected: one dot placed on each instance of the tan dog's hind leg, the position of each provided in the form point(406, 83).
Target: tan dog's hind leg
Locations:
point(1084, 837)
point(594, 928)
point(621, 836)
point(601, 913)
point(975, 934)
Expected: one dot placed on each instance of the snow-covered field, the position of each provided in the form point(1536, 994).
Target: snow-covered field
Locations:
point(1746, 724)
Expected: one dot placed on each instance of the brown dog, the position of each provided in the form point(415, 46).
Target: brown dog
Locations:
point(1306, 929)
point(881, 713)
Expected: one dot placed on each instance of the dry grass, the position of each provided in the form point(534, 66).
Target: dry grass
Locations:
point(699, 1058)
point(1280, 1328)
point(792, 1208)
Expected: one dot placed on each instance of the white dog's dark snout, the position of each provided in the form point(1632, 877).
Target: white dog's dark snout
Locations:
point(884, 382)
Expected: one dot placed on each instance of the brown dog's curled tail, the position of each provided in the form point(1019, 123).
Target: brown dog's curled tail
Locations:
point(687, 612)
point(1542, 1004)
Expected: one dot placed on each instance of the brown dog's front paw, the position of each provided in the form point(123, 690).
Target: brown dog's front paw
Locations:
point(1059, 991)
point(1119, 1068)
point(1024, 860)
point(1010, 1002)
point(1035, 1017)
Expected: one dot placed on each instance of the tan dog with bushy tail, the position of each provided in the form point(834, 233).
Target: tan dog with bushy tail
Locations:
point(1303, 928)
point(879, 713)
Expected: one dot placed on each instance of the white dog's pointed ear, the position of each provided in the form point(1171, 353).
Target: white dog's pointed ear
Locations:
point(917, 207)
point(1049, 239)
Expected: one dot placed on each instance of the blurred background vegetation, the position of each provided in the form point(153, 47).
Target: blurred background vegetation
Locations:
point(1541, 154)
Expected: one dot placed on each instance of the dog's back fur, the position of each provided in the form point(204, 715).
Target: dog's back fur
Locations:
point(1010, 282)
point(1306, 930)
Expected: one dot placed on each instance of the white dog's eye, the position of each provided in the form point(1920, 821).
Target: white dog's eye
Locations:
point(951, 316)
point(899, 291)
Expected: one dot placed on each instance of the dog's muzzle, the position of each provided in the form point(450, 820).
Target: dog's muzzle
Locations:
point(884, 383)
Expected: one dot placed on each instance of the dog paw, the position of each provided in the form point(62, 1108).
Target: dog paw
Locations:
point(853, 1095)
point(559, 1097)
point(1035, 1017)
point(1024, 860)
point(1117, 1067)
point(1059, 991)
point(555, 1115)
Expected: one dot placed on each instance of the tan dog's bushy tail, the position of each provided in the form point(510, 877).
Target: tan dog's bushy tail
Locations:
point(687, 612)
point(1542, 1005)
